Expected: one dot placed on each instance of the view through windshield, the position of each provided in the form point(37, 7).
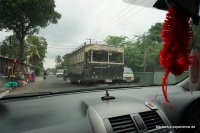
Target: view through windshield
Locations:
point(52, 46)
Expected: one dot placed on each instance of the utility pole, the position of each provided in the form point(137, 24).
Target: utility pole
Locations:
point(10, 48)
point(90, 40)
point(145, 53)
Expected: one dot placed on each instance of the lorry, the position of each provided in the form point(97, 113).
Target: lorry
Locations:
point(92, 63)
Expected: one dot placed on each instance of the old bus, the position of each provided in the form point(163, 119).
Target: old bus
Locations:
point(96, 63)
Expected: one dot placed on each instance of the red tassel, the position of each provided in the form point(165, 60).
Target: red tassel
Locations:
point(176, 37)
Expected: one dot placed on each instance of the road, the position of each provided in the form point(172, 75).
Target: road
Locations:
point(52, 84)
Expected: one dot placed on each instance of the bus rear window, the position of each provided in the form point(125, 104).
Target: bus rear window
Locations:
point(115, 57)
point(100, 56)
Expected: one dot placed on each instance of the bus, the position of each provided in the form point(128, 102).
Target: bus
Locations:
point(93, 63)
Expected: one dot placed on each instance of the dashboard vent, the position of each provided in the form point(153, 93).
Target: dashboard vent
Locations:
point(123, 124)
point(151, 119)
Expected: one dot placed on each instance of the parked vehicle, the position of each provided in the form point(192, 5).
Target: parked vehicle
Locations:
point(59, 73)
point(128, 75)
point(96, 63)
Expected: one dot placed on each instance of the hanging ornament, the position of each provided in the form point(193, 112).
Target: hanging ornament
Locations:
point(176, 37)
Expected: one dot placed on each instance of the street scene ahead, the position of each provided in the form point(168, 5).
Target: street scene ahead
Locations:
point(54, 84)
point(51, 84)
point(85, 42)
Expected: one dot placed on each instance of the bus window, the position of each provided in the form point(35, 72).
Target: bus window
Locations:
point(115, 57)
point(100, 56)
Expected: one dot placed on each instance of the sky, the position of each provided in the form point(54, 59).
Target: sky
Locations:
point(95, 19)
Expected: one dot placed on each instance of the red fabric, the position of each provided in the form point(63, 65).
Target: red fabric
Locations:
point(176, 37)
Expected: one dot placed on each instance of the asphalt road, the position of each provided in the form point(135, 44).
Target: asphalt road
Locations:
point(54, 84)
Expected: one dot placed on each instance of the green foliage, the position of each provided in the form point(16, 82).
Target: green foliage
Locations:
point(5, 49)
point(58, 61)
point(37, 70)
point(116, 40)
point(10, 47)
point(51, 70)
point(155, 33)
point(142, 54)
point(25, 17)
point(36, 49)
point(36, 46)
point(64, 63)
point(133, 56)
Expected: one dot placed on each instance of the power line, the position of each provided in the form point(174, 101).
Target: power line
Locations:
point(118, 19)
point(133, 14)
point(95, 6)
point(112, 18)
point(111, 27)
point(60, 48)
point(62, 45)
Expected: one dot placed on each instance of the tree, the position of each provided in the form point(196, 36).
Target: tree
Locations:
point(150, 45)
point(154, 45)
point(58, 61)
point(154, 33)
point(36, 46)
point(25, 17)
point(5, 48)
point(36, 49)
point(51, 70)
point(65, 61)
point(10, 47)
point(142, 53)
point(133, 56)
point(116, 40)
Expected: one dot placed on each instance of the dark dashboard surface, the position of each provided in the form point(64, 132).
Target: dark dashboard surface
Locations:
point(68, 112)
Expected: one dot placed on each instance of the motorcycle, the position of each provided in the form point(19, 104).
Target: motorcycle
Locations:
point(44, 77)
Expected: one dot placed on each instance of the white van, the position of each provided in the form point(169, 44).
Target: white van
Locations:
point(128, 75)
point(59, 73)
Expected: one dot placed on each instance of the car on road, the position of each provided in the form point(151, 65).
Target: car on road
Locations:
point(128, 75)
point(59, 73)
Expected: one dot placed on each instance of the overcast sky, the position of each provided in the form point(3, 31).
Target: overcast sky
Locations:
point(95, 19)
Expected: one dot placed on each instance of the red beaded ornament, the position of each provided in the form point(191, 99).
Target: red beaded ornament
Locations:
point(176, 37)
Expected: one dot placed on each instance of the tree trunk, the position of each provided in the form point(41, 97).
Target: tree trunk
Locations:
point(21, 51)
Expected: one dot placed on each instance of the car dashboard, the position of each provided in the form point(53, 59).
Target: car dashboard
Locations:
point(85, 112)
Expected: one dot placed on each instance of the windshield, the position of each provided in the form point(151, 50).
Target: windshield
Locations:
point(100, 56)
point(128, 70)
point(115, 57)
point(97, 42)
point(60, 71)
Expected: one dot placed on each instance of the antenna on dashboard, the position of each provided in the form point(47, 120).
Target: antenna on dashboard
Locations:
point(107, 96)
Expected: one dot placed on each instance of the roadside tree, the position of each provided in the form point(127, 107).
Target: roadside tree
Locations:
point(26, 17)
